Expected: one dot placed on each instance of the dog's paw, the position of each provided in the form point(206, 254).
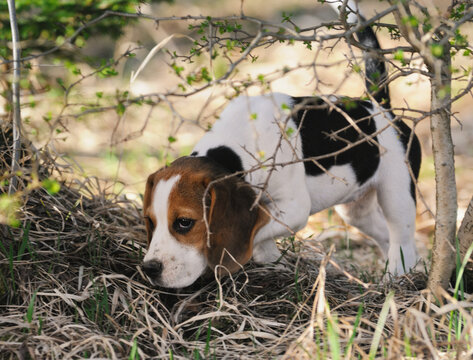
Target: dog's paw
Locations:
point(402, 260)
point(266, 252)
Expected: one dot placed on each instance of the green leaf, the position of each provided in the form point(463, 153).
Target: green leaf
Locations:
point(134, 351)
point(60, 40)
point(177, 69)
point(30, 310)
point(443, 92)
point(60, 82)
point(436, 50)
point(356, 68)
point(80, 41)
point(120, 109)
point(107, 72)
point(190, 79)
point(411, 20)
point(333, 338)
point(51, 186)
point(399, 56)
point(171, 139)
point(349, 103)
point(205, 74)
point(9, 205)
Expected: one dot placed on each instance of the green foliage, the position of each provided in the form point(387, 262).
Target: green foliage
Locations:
point(355, 329)
point(134, 351)
point(348, 103)
point(333, 338)
point(107, 71)
point(47, 22)
point(286, 17)
point(9, 205)
point(459, 40)
point(51, 186)
point(30, 310)
point(436, 50)
point(399, 56)
point(97, 307)
point(411, 20)
point(458, 11)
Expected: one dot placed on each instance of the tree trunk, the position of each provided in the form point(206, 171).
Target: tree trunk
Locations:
point(443, 252)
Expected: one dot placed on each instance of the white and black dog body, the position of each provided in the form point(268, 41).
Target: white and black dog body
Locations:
point(369, 184)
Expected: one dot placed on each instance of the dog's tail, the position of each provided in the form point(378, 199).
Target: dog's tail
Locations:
point(375, 67)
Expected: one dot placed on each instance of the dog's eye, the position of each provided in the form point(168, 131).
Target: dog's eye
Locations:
point(183, 225)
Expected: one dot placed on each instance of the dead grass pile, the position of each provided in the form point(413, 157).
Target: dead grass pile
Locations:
point(71, 288)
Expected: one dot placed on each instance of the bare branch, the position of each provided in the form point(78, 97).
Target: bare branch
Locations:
point(16, 123)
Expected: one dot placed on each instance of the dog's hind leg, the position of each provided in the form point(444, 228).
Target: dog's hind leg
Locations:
point(366, 215)
point(399, 208)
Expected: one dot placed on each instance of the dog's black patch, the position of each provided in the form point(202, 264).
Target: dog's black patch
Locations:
point(323, 132)
point(415, 153)
point(226, 158)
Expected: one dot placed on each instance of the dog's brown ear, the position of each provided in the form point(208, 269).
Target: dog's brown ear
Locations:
point(147, 198)
point(232, 224)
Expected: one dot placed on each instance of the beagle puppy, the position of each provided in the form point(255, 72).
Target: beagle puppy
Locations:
point(268, 163)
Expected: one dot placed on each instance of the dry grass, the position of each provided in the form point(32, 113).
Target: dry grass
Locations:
point(71, 287)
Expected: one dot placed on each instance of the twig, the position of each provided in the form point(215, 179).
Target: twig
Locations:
point(16, 121)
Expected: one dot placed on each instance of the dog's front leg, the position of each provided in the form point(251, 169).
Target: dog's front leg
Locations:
point(287, 216)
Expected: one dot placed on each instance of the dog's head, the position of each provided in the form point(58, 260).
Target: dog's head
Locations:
point(179, 245)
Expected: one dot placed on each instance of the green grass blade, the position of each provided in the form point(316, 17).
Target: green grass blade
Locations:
point(462, 270)
point(402, 260)
point(24, 241)
point(380, 325)
point(407, 346)
point(355, 328)
point(333, 339)
point(455, 317)
point(30, 310)
point(134, 351)
point(207, 340)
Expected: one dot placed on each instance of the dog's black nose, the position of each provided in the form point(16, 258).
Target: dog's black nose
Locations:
point(152, 268)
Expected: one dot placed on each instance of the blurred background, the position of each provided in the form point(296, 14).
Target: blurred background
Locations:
point(78, 103)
